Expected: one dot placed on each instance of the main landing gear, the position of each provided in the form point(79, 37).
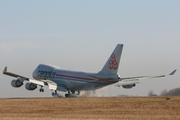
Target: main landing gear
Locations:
point(41, 89)
point(55, 94)
point(71, 93)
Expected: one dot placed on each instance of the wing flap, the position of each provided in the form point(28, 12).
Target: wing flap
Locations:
point(52, 85)
point(37, 82)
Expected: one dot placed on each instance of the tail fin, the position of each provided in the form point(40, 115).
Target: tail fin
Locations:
point(111, 66)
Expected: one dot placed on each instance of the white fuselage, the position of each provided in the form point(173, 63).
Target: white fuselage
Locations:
point(71, 80)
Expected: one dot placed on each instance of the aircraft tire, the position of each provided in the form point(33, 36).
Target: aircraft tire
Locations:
point(41, 90)
point(70, 95)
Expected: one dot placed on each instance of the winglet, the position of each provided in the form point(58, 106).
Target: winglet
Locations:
point(172, 73)
point(5, 70)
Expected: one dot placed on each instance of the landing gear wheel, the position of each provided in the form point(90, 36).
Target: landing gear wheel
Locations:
point(55, 94)
point(70, 95)
point(41, 90)
point(73, 91)
point(78, 92)
point(66, 95)
point(69, 92)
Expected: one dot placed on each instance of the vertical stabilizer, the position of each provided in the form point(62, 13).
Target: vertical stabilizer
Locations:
point(111, 66)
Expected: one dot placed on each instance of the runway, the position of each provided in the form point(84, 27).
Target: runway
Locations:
point(130, 108)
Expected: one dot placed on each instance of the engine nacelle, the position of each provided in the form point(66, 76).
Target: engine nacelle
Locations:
point(16, 83)
point(30, 86)
point(129, 86)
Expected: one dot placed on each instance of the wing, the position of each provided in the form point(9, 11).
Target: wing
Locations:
point(135, 80)
point(14, 75)
point(52, 85)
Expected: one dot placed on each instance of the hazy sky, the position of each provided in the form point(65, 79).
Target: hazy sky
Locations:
point(82, 34)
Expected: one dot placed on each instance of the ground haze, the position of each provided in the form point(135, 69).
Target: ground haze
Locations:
point(137, 108)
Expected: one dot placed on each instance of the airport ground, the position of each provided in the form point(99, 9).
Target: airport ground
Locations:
point(130, 108)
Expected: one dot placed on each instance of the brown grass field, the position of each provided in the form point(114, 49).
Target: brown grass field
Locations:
point(132, 108)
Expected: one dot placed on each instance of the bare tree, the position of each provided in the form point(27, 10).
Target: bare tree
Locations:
point(163, 93)
point(151, 93)
point(173, 92)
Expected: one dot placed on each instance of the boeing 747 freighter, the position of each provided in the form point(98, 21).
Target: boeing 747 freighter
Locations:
point(73, 82)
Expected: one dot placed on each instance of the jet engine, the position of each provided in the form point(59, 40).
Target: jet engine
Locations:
point(16, 83)
point(30, 86)
point(129, 86)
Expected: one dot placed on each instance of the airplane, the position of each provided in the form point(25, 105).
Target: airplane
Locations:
point(74, 82)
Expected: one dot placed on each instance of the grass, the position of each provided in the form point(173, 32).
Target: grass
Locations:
point(137, 108)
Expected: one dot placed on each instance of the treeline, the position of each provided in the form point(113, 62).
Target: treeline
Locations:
point(172, 92)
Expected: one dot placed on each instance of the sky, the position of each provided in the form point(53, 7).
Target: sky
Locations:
point(81, 35)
